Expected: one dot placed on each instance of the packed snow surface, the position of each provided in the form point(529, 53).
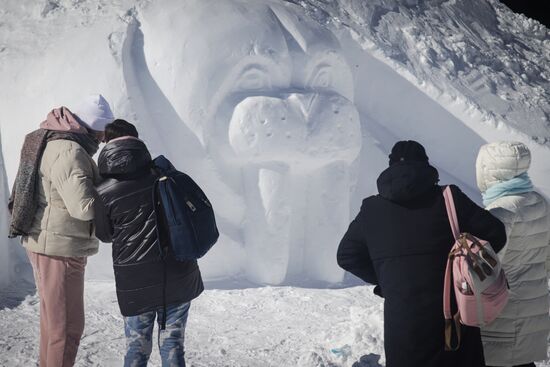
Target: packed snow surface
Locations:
point(254, 327)
point(244, 327)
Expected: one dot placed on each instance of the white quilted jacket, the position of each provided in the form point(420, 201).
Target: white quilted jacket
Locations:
point(519, 335)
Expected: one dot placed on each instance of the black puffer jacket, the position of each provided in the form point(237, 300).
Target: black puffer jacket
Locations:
point(400, 241)
point(124, 215)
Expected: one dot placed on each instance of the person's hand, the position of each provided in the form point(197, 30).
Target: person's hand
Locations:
point(100, 135)
point(378, 291)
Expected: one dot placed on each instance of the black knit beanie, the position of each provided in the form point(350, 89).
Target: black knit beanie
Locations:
point(408, 150)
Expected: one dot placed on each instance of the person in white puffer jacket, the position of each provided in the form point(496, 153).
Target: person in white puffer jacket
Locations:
point(518, 337)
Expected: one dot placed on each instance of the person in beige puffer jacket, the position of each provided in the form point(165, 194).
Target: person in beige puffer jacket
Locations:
point(62, 225)
point(518, 337)
point(61, 235)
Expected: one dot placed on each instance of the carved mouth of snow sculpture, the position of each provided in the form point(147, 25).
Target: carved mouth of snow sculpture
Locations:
point(268, 93)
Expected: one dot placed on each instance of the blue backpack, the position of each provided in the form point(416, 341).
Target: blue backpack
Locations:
point(185, 211)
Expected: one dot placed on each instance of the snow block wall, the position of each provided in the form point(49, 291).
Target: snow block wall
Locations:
point(283, 111)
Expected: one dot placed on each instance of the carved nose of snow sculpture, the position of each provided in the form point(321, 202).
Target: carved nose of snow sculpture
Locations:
point(308, 130)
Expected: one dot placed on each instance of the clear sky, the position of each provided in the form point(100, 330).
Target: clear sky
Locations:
point(536, 9)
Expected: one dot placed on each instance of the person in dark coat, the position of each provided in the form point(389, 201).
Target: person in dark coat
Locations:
point(399, 242)
point(148, 284)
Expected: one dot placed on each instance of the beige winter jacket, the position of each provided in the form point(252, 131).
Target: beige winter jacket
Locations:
point(63, 224)
point(519, 335)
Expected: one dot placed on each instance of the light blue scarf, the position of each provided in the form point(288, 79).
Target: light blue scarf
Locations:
point(517, 185)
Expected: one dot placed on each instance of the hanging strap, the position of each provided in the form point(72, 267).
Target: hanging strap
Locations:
point(474, 260)
point(449, 323)
point(447, 290)
point(164, 316)
point(163, 250)
point(475, 267)
point(451, 211)
point(450, 320)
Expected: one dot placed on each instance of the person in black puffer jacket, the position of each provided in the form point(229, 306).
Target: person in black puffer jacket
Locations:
point(147, 283)
point(399, 242)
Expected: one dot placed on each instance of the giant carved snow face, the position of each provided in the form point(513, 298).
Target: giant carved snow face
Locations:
point(254, 80)
point(268, 93)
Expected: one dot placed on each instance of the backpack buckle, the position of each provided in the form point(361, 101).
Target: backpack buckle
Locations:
point(191, 206)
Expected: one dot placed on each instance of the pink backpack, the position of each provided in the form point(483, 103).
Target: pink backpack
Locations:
point(480, 286)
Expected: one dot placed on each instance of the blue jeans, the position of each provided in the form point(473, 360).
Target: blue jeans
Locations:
point(139, 333)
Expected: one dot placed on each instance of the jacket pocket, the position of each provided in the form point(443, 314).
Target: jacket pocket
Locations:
point(59, 221)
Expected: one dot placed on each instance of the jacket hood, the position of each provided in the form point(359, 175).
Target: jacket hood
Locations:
point(63, 120)
point(124, 158)
point(501, 161)
point(406, 181)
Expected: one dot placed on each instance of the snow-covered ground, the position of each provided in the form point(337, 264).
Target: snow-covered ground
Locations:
point(267, 326)
point(251, 327)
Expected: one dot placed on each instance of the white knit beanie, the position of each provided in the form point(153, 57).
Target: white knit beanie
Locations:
point(94, 112)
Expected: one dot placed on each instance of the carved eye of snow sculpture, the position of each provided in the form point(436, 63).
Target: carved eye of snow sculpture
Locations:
point(269, 95)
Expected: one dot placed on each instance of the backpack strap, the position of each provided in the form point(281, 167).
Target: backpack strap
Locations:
point(447, 290)
point(451, 211)
point(452, 322)
point(157, 212)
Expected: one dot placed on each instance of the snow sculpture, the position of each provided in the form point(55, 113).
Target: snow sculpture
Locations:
point(6, 267)
point(13, 261)
point(268, 94)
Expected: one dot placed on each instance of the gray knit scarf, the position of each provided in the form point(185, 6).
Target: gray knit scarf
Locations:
point(23, 200)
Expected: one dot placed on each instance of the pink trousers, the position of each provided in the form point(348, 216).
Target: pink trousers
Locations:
point(60, 283)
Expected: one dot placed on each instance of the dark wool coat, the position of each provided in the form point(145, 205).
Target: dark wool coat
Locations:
point(399, 241)
point(125, 216)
